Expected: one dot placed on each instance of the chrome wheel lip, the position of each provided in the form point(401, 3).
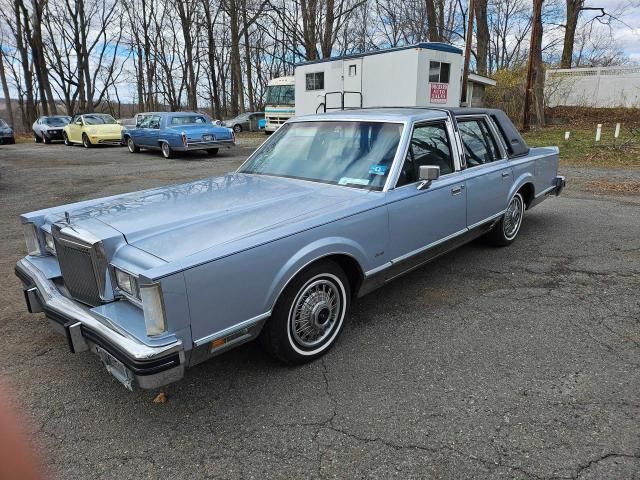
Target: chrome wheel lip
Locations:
point(330, 326)
point(513, 217)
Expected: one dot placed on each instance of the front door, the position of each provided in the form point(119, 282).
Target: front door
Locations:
point(488, 175)
point(352, 83)
point(424, 223)
point(75, 129)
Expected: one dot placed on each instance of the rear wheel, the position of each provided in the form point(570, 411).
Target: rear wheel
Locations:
point(166, 150)
point(86, 143)
point(309, 314)
point(133, 148)
point(506, 230)
point(237, 128)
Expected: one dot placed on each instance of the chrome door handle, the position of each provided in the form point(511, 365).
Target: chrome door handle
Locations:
point(456, 190)
point(505, 174)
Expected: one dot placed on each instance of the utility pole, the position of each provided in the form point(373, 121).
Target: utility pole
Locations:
point(467, 49)
point(534, 50)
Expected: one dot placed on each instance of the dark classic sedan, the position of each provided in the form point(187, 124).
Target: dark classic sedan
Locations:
point(6, 133)
point(172, 132)
point(328, 209)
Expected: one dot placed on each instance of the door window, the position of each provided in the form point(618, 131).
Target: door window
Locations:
point(479, 145)
point(429, 146)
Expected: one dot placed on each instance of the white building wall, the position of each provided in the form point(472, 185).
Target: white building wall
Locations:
point(389, 79)
point(593, 87)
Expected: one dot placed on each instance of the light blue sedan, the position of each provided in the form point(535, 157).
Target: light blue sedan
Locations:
point(172, 132)
point(328, 209)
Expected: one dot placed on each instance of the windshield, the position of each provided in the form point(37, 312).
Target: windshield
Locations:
point(99, 119)
point(56, 121)
point(356, 154)
point(187, 119)
point(280, 95)
point(3, 124)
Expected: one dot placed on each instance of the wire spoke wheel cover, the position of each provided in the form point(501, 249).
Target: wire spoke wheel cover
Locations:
point(316, 313)
point(513, 217)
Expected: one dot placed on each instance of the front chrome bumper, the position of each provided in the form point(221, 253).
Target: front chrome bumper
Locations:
point(147, 366)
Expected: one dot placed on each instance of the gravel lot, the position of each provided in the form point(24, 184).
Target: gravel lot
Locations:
point(489, 363)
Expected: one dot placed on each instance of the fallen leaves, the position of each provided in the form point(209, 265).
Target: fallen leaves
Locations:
point(161, 398)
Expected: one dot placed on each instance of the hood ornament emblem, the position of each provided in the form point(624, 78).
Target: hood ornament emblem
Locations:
point(67, 218)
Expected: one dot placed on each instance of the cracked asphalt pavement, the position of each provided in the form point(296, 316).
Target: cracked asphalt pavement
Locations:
point(519, 362)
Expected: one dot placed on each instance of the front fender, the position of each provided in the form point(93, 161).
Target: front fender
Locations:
point(309, 254)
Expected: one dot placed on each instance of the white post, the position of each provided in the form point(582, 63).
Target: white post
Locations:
point(617, 132)
point(598, 132)
point(566, 136)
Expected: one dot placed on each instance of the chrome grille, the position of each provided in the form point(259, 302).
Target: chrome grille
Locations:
point(77, 267)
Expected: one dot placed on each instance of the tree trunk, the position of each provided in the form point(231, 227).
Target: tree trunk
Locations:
point(482, 36)
point(5, 90)
point(535, 78)
point(432, 22)
point(247, 58)
point(574, 7)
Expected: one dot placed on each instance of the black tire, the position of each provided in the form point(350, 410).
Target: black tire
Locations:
point(36, 138)
point(320, 312)
point(267, 132)
point(46, 139)
point(67, 142)
point(213, 151)
point(133, 148)
point(506, 230)
point(237, 128)
point(86, 143)
point(166, 150)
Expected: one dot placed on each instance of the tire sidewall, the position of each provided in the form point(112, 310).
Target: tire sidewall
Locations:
point(167, 153)
point(131, 145)
point(85, 141)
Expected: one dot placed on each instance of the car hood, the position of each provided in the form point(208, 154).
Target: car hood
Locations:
point(181, 220)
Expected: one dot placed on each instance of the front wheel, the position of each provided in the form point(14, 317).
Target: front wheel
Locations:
point(506, 230)
point(237, 128)
point(36, 138)
point(86, 143)
point(133, 148)
point(309, 314)
point(65, 137)
point(46, 139)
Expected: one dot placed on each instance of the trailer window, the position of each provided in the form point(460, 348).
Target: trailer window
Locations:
point(315, 81)
point(353, 70)
point(439, 72)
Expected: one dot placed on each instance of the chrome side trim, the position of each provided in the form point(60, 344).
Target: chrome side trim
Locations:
point(373, 271)
point(488, 219)
point(545, 191)
point(228, 331)
point(427, 247)
point(52, 299)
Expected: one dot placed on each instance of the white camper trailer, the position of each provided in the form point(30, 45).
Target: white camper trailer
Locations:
point(425, 74)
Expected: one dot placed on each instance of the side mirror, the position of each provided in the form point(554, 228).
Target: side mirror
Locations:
point(427, 174)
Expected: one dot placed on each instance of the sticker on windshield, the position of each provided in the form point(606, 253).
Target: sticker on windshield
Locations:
point(377, 169)
point(353, 181)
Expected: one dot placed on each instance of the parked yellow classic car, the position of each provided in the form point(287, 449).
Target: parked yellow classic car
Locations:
point(92, 129)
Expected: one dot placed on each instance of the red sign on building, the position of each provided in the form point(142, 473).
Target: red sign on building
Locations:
point(438, 92)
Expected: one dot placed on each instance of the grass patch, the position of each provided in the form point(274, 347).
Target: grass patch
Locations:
point(581, 149)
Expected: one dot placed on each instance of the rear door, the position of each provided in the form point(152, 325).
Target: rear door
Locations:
point(488, 176)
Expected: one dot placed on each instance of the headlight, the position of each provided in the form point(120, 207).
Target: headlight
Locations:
point(153, 308)
point(49, 244)
point(31, 238)
point(126, 282)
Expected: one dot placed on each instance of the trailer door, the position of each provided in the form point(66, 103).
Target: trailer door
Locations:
point(352, 82)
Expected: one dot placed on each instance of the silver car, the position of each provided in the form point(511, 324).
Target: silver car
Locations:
point(46, 129)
